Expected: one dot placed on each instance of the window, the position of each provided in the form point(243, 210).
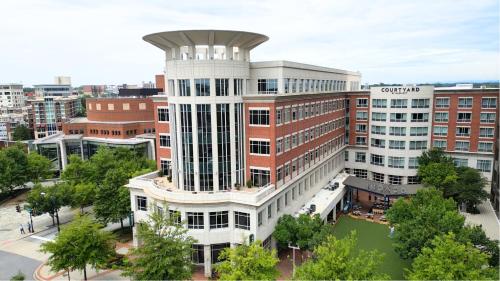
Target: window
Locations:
point(418, 131)
point(198, 254)
point(397, 144)
point(279, 116)
point(360, 157)
point(462, 145)
point(464, 102)
point(221, 87)
point(270, 211)
point(175, 215)
point(441, 117)
point(378, 177)
point(413, 180)
point(377, 160)
point(142, 106)
point(379, 116)
point(267, 86)
point(377, 142)
point(464, 117)
point(396, 162)
point(399, 103)
point(460, 162)
point(278, 205)
point(259, 218)
point(219, 219)
point(413, 163)
point(418, 145)
point(259, 117)
point(360, 173)
point(142, 203)
point(361, 102)
point(361, 115)
point(361, 128)
point(420, 103)
point(184, 87)
point(486, 132)
point(202, 87)
point(379, 103)
point(489, 103)
point(279, 146)
point(238, 87)
point(398, 117)
point(260, 177)
point(378, 130)
point(442, 102)
point(485, 147)
point(111, 106)
point(216, 249)
point(488, 117)
point(242, 220)
point(395, 179)
point(439, 144)
point(195, 220)
point(463, 131)
point(163, 114)
point(397, 131)
point(164, 140)
point(261, 147)
point(361, 140)
point(419, 117)
point(440, 131)
point(483, 165)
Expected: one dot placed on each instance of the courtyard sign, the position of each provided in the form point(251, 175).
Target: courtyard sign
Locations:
point(400, 90)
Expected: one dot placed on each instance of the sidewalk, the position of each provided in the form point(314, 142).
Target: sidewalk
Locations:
point(487, 219)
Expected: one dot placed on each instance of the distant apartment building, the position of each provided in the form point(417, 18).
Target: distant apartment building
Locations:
point(94, 90)
point(49, 114)
point(12, 95)
point(53, 90)
point(11, 117)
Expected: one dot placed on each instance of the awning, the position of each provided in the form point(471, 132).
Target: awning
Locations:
point(382, 188)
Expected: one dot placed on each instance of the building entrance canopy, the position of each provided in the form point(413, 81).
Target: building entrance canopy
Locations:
point(381, 188)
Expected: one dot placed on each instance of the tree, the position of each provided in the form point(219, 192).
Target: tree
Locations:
point(77, 171)
point(248, 262)
point(79, 244)
point(112, 201)
point(49, 200)
point(469, 188)
point(337, 259)
point(418, 219)
point(440, 175)
point(476, 236)
point(82, 195)
point(305, 231)
point(39, 167)
point(13, 168)
point(165, 250)
point(447, 259)
point(434, 155)
point(21, 133)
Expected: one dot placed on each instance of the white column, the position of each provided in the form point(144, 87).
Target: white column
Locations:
point(208, 260)
point(233, 143)
point(196, 167)
point(177, 132)
point(215, 149)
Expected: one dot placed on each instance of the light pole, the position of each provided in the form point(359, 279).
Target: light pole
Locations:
point(30, 211)
point(293, 256)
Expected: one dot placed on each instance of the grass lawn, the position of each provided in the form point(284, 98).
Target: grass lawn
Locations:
point(374, 236)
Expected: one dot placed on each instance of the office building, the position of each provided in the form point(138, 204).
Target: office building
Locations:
point(51, 112)
point(53, 90)
point(12, 95)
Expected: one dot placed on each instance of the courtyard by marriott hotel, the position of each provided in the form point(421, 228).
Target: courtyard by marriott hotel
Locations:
point(240, 143)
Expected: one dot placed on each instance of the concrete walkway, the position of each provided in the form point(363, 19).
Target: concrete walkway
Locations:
point(487, 219)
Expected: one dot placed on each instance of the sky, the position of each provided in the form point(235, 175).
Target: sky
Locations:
point(390, 41)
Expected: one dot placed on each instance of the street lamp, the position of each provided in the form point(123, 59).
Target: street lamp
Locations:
point(293, 256)
point(54, 209)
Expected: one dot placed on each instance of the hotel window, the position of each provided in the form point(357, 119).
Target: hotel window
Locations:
point(279, 116)
point(465, 103)
point(361, 140)
point(396, 162)
point(184, 87)
point(361, 128)
point(419, 117)
point(420, 103)
point(287, 198)
point(413, 180)
point(418, 145)
point(398, 117)
point(395, 179)
point(270, 210)
point(260, 147)
point(286, 85)
point(360, 173)
point(441, 117)
point(413, 163)
point(486, 132)
point(260, 177)
point(202, 87)
point(397, 144)
point(259, 117)
point(360, 157)
point(464, 117)
point(483, 165)
point(377, 142)
point(195, 220)
point(171, 86)
point(460, 162)
point(361, 102)
point(418, 131)
point(286, 115)
point(361, 115)
point(377, 160)
point(279, 174)
point(166, 167)
point(279, 146)
point(442, 102)
point(378, 130)
point(379, 116)
point(163, 114)
point(488, 117)
point(268, 86)
point(378, 177)
point(485, 147)
point(111, 106)
point(399, 103)
point(397, 131)
point(98, 106)
point(346, 155)
point(287, 143)
point(164, 140)
point(221, 87)
point(439, 144)
point(440, 131)
point(219, 219)
point(142, 203)
point(259, 218)
point(238, 87)
point(306, 85)
point(278, 205)
point(379, 103)
point(489, 103)
point(462, 146)
point(463, 131)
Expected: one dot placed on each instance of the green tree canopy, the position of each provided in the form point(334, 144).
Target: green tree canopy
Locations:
point(21, 133)
point(165, 250)
point(13, 168)
point(248, 262)
point(418, 219)
point(476, 236)
point(79, 244)
point(304, 231)
point(440, 175)
point(337, 259)
point(469, 188)
point(112, 199)
point(83, 194)
point(447, 259)
point(434, 155)
point(48, 199)
point(39, 167)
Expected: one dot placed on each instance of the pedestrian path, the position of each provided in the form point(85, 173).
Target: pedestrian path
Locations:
point(487, 219)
